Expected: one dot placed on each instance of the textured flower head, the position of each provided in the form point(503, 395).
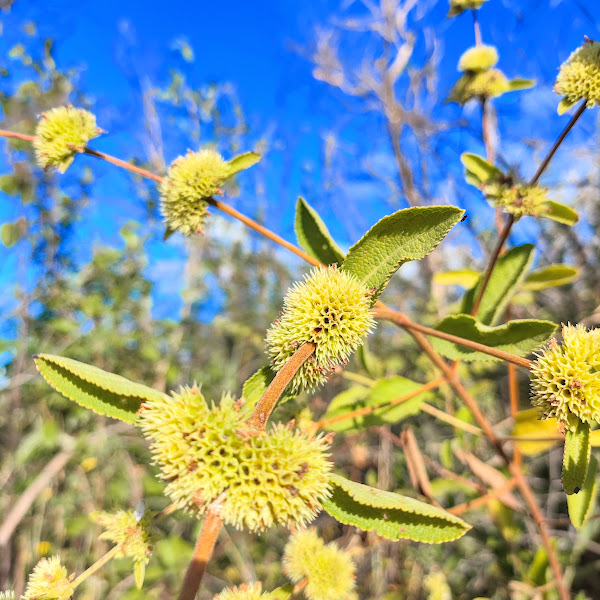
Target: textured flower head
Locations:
point(517, 199)
point(8, 595)
point(329, 571)
point(478, 58)
point(565, 378)
point(248, 591)
point(189, 181)
point(61, 133)
point(132, 535)
point(277, 477)
point(482, 85)
point(458, 6)
point(329, 308)
point(579, 76)
point(48, 581)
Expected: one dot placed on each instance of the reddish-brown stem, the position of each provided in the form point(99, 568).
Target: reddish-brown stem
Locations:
point(18, 136)
point(459, 509)
point(263, 409)
point(403, 321)
point(202, 553)
point(124, 165)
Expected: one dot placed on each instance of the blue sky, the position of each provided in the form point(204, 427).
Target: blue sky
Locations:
point(261, 48)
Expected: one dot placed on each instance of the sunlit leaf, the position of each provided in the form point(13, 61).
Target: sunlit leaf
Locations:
point(552, 276)
point(576, 458)
point(581, 504)
point(243, 162)
point(560, 213)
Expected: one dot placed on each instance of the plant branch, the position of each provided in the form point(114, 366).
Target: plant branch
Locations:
point(97, 565)
point(123, 164)
point(18, 136)
point(459, 509)
point(449, 419)
point(476, 28)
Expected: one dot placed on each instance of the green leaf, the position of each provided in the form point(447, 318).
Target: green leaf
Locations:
point(255, 386)
point(528, 425)
point(580, 505)
point(391, 515)
point(564, 105)
point(282, 593)
point(560, 213)
point(510, 270)
point(10, 233)
point(466, 278)
point(313, 236)
point(520, 337)
point(547, 277)
point(139, 571)
point(409, 234)
point(242, 162)
point(383, 392)
point(104, 393)
point(520, 84)
point(576, 458)
point(478, 169)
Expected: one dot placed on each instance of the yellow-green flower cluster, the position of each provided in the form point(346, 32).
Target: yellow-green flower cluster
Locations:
point(329, 571)
point(517, 199)
point(248, 591)
point(205, 453)
point(132, 536)
point(458, 6)
point(479, 84)
point(579, 76)
point(8, 595)
point(565, 378)
point(61, 133)
point(478, 58)
point(49, 581)
point(189, 181)
point(329, 308)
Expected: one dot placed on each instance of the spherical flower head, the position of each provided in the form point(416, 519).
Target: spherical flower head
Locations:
point(579, 76)
point(48, 581)
point(205, 453)
point(329, 308)
point(132, 536)
point(61, 133)
point(517, 199)
point(330, 572)
point(478, 58)
point(189, 181)
point(565, 378)
point(248, 591)
point(458, 6)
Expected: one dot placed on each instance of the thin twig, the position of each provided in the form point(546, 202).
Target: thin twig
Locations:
point(97, 565)
point(446, 418)
point(476, 28)
point(18, 136)
point(124, 165)
point(459, 509)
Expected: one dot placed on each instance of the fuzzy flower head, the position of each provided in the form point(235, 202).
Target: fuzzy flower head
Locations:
point(478, 58)
point(482, 85)
point(277, 477)
point(132, 535)
point(579, 76)
point(330, 572)
point(8, 595)
point(458, 6)
point(565, 378)
point(49, 581)
point(247, 591)
point(190, 180)
point(329, 308)
point(517, 199)
point(61, 133)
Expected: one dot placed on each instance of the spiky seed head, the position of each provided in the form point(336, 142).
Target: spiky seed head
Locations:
point(61, 133)
point(7, 595)
point(565, 378)
point(478, 58)
point(329, 308)
point(189, 181)
point(133, 537)
point(579, 76)
point(484, 84)
point(330, 572)
point(48, 581)
point(517, 199)
point(458, 6)
point(279, 477)
point(248, 591)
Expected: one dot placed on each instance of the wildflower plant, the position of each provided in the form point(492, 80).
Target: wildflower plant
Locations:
point(49, 581)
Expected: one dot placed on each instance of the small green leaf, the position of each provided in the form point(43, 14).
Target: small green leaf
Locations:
point(576, 458)
point(10, 233)
point(383, 392)
point(560, 213)
point(139, 571)
point(564, 105)
point(520, 337)
point(242, 162)
point(548, 277)
point(369, 361)
point(520, 84)
point(282, 593)
point(478, 169)
point(510, 270)
point(255, 386)
point(313, 235)
point(104, 393)
point(391, 515)
point(581, 504)
point(466, 278)
point(409, 234)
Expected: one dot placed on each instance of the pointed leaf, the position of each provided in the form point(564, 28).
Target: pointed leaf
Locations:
point(528, 425)
point(479, 169)
point(466, 278)
point(255, 386)
point(520, 337)
point(313, 235)
point(242, 162)
point(10, 233)
point(564, 105)
point(281, 593)
point(576, 458)
point(391, 515)
point(520, 84)
point(409, 234)
point(104, 393)
point(510, 270)
point(581, 504)
point(139, 571)
point(552, 276)
point(560, 213)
